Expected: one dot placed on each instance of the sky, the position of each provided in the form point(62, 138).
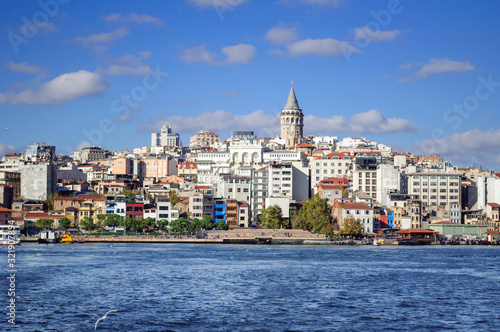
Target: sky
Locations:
point(419, 76)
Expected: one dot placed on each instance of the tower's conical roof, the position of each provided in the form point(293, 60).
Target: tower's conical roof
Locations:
point(292, 103)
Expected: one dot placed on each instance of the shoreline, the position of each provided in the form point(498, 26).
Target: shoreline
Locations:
point(262, 240)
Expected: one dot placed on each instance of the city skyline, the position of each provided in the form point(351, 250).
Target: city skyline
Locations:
point(419, 77)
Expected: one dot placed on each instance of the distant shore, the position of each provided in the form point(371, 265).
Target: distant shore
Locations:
point(79, 239)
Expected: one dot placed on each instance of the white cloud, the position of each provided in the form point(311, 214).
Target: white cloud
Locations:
point(62, 89)
point(44, 27)
point(83, 144)
point(365, 33)
point(6, 148)
point(102, 38)
point(370, 122)
point(216, 3)
point(242, 53)
point(438, 66)
point(321, 47)
point(264, 124)
point(134, 18)
point(281, 35)
point(127, 65)
point(24, 67)
point(473, 146)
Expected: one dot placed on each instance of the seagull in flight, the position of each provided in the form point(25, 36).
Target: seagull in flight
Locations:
point(102, 318)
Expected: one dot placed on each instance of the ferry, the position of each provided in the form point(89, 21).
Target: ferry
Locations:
point(48, 237)
point(66, 238)
point(10, 235)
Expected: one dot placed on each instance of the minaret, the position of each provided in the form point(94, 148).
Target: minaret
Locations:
point(292, 121)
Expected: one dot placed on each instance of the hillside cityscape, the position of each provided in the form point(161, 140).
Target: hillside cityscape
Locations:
point(240, 181)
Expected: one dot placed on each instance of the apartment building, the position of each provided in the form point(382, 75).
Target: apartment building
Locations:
point(333, 165)
point(435, 188)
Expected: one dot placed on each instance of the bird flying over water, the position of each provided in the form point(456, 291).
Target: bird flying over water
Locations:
point(102, 318)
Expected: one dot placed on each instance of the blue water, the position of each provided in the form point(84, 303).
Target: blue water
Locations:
point(184, 287)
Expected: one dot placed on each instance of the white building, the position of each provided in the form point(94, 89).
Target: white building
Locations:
point(387, 182)
point(38, 181)
point(435, 188)
point(165, 137)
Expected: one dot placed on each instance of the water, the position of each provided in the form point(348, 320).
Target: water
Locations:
point(181, 287)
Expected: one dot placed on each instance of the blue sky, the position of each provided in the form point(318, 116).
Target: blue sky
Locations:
point(420, 76)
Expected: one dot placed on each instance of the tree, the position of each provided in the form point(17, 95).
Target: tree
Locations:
point(50, 200)
point(178, 225)
point(113, 220)
point(131, 223)
point(174, 198)
point(352, 226)
point(64, 223)
point(314, 214)
point(207, 222)
point(44, 223)
point(271, 217)
point(100, 221)
point(162, 224)
point(87, 223)
point(221, 225)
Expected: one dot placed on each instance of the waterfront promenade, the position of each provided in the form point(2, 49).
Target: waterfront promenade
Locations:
point(245, 236)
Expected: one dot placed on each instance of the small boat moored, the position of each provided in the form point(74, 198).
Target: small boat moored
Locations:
point(48, 237)
point(66, 238)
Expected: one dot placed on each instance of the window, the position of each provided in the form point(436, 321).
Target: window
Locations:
point(230, 190)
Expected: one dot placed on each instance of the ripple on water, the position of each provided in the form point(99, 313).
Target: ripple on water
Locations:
point(295, 288)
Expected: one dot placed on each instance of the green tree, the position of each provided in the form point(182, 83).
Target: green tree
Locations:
point(178, 225)
point(352, 226)
point(207, 222)
point(43, 223)
point(132, 224)
point(49, 201)
point(87, 223)
point(221, 225)
point(64, 223)
point(100, 221)
point(271, 217)
point(314, 214)
point(113, 220)
point(162, 224)
point(174, 197)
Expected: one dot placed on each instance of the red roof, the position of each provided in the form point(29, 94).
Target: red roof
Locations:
point(494, 204)
point(2, 209)
point(492, 232)
point(341, 181)
point(305, 145)
point(340, 155)
point(188, 165)
point(329, 186)
point(201, 187)
point(444, 223)
point(43, 215)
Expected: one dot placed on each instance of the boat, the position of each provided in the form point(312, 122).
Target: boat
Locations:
point(66, 238)
point(9, 235)
point(376, 242)
point(48, 237)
